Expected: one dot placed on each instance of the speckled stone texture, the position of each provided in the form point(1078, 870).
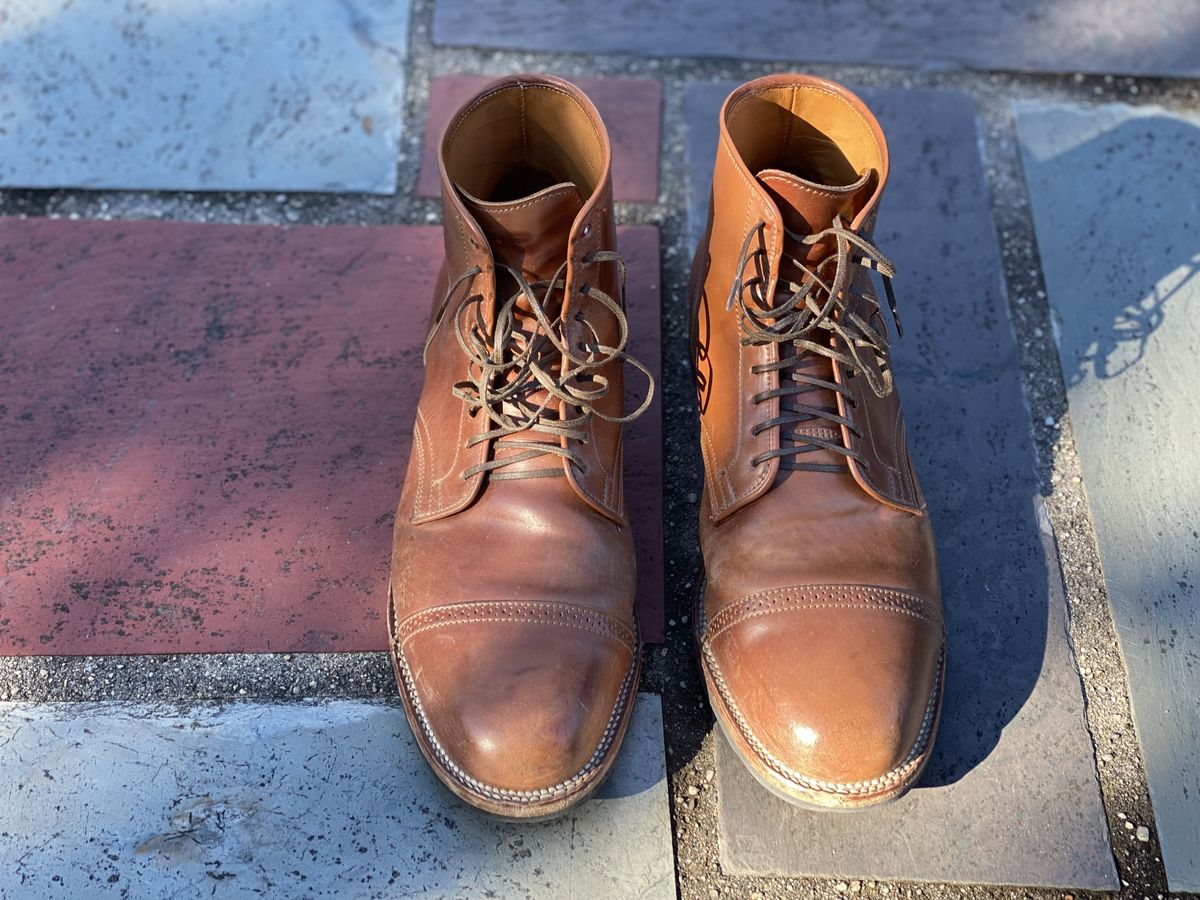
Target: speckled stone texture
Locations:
point(1116, 204)
point(1011, 794)
point(630, 107)
point(298, 800)
point(205, 95)
point(1106, 36)
point(204, 431)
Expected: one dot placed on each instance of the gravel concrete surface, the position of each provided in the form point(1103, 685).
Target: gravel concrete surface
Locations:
point(670, 669)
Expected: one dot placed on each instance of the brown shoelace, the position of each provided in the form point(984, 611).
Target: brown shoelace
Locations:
point(523, 371)
point(816, 310)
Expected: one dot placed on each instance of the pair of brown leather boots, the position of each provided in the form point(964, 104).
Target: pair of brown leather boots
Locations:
point(511, 609)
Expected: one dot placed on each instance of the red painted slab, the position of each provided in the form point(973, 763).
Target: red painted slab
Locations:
point(632, 113)
point(204, 429)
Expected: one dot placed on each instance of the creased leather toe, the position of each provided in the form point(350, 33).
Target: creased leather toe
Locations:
point(532, 708)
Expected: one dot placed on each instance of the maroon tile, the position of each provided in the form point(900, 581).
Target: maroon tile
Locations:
point(644, 454)
point(204, 429)
point(631, 109)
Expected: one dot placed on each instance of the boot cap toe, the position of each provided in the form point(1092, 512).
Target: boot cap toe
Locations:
point(832, 688)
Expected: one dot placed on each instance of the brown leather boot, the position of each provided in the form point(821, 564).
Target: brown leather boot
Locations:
point(511, 612)
point(820, 629)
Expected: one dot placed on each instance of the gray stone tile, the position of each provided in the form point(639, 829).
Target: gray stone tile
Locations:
point(1011, 795)
point(291, 800)
point(1116, 204)
point(217, 95)
point(1104, 36)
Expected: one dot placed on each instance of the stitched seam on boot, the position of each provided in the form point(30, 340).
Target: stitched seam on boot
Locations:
point(419, 446)
point(568, 786)
point(751, 198)
point(592, 621)
point(822, 596)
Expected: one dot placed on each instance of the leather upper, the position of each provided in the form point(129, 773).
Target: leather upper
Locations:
point(512, 598)
point(471, 158)
point(822, 626)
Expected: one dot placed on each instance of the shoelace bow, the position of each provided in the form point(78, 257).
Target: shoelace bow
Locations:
point(816, 308)
point(510, 364)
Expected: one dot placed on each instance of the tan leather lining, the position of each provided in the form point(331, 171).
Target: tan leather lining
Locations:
point(820, 141)
point(536, 127)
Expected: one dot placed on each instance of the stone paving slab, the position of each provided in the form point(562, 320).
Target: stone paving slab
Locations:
point(209, 95)
point(630, 107)
point(1116, 204)
point(204, 430)
point(298, 800)
point(1011, 795)
point(1101, 36)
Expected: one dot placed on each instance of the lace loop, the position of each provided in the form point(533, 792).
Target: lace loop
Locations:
point(517, 359)
point(808, 315)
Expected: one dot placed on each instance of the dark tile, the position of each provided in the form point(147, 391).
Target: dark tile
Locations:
point(1104, 36)
point(1013, 766)
point(1116, 203)
point(204, 430)
point(632, 113)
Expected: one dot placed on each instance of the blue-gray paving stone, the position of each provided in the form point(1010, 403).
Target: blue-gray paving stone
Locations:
point(1116, 205)
point(298, 800)
point(215, 95)
point(1011, 794)
point(1101, 36)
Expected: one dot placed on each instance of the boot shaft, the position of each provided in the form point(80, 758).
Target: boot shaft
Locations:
point(796, 156)
point(529, 294)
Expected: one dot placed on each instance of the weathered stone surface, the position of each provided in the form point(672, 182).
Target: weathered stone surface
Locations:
point(1105, 36)
point(1011, 794)
point(298, 800)
point(204, 430)
point(632, 113)
point(210, 95)
point(1116, 203)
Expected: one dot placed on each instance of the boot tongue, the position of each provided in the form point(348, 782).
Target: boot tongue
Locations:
point(530, 234)
point(808, 207)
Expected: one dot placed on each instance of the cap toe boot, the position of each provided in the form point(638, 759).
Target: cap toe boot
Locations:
point(511, 612)
point(820, 627)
